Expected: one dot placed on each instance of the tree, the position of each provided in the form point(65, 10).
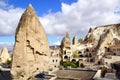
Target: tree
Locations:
point(75, 54)
point(105, 70)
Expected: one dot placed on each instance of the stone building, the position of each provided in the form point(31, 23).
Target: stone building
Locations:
point(111, 59)
point(55, 58)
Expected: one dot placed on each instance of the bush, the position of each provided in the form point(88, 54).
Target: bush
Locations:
point(65, 64)
point(71, 64)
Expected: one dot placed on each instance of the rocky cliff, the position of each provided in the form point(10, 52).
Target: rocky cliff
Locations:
point(103, 36)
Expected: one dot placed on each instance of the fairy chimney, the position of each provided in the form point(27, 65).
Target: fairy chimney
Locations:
point(75, 40)
point(31, 49)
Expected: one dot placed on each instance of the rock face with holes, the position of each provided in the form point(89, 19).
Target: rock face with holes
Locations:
point(31, 50)
point(103, 37)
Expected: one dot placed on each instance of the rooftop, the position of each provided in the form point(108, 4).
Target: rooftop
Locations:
point(74, 74)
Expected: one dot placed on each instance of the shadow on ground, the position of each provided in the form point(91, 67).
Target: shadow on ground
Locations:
point(5, 75)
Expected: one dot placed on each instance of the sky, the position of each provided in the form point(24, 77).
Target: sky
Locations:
point(58, 17)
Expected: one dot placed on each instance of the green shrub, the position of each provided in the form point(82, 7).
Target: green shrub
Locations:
point(71, 64)
point(65, 64)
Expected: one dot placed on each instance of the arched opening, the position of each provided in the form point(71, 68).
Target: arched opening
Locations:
point(73, 60)
point(108, 49)
point(87, 50)
point(65, 57)
point(79, 52)
point(80, 55)
point(90, 55)
point(114, 54)
point(99, 62)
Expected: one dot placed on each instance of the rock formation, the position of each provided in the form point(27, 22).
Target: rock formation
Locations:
point(104, 41)
point(4, 55)
point(103, 36)
point(90, 37)
point(31, 49)
point(75, 40)
point(66, 43)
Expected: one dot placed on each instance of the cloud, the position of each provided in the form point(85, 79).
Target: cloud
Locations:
point(78, 17)
point(2, 3)
point(57, 43)
point(75, 18)
point(9, 17)
point(9, 45)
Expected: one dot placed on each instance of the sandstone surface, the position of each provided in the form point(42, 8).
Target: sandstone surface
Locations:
point(103, 36)
point(75, 40)
point(4, 55)
point(31, 49)
point(66, 43)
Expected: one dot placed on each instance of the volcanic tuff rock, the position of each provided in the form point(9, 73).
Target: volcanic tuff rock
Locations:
point(4, 55)
point(75, 40)
point(89, 37)
point(66, 42)
point(31, 49)
point(103, 36)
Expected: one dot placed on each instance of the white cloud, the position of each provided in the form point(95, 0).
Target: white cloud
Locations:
point(78, 17)
point(9, 45)
point(4, 4)
point(75, 18)
point(9, 17)
point(57, 43)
